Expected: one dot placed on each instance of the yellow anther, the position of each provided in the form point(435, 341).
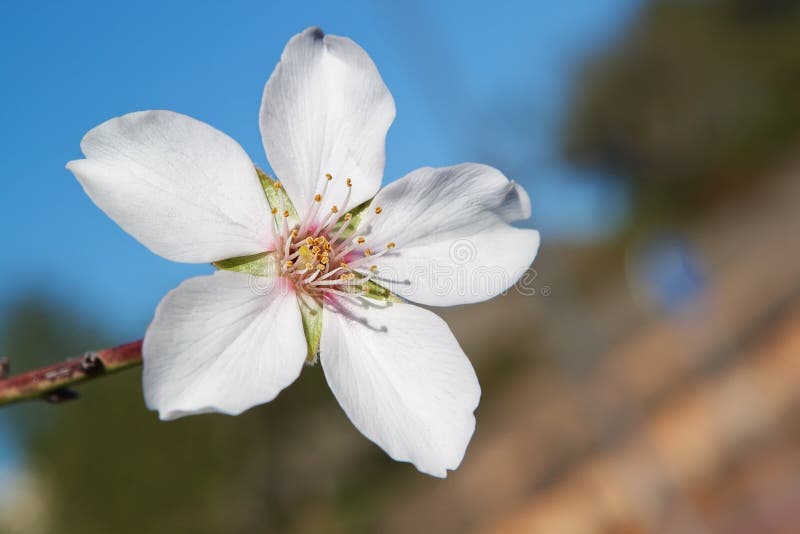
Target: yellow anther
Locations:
point(315, 249)
point(328, 176)
point(277, 185)
point(360, 240)
point(309, 266)
point(320, 267)
point(349, 182)
point(294, 232)
point(274, 211)
point(309, 240)
point(365, 288)
point(348, 216)
point(373, 268)
point(289, 264)
point(323, 261)
point(390, 245)
point(286, 213)
point(334, 209)
point(343, 277)
point(317, 197)
point(378, 210)
point(367, 252)
point(343, 265)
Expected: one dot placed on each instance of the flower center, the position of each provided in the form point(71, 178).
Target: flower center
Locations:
point(327, 257)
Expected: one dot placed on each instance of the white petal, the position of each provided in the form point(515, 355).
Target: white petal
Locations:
point(403, 381)
point(187, 191)
point(222, 343)
point(326, 109)
point(454, 243)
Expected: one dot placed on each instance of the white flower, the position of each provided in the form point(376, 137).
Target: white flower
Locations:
point(312, 273)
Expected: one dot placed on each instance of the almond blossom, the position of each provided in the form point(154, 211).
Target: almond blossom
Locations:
point(318, 264)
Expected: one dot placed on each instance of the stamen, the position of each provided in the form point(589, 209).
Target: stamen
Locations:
point(342, 253)
point(331, 273)
point(315, 274)
point(329, 221)
point(284, 211)
point(343, 293)
point(317, 203)
point(345, 223)
point(324, 223)
point(369, 255)
point(288, 244)
point(341, 282)
point(365, 223)
point(346, 202)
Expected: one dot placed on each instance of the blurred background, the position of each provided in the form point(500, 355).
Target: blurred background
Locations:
point(646, 380)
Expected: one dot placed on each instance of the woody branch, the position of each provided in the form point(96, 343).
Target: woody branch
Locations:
point(52, 382)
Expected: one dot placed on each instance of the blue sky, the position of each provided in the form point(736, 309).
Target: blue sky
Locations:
point(450, 65)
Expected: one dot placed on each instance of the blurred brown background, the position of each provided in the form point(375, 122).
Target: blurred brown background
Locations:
point(651, 383)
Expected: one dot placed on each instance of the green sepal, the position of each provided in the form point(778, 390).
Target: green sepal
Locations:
point(263, 264)
point(378, 292)
point(274, 195)
point(311, 312)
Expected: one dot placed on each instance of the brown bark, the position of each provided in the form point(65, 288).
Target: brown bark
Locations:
point(52, 382)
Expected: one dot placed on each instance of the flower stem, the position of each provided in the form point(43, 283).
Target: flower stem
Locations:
point(51, 382)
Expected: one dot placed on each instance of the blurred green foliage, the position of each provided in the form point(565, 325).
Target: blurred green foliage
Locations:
point(693, 102)
point(107, 464)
